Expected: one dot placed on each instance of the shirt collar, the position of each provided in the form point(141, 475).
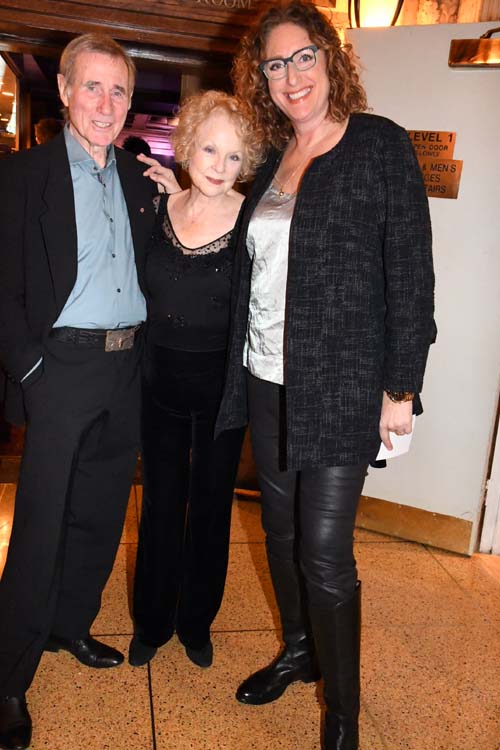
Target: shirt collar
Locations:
point(78, 155)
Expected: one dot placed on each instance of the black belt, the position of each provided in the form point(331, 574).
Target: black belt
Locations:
point(115, 339)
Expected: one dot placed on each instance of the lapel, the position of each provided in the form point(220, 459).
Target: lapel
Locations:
point(242, 261)
point(242, 265)
point(58, 221)
point(138, 205)
point(127, 179)
point(262, 179)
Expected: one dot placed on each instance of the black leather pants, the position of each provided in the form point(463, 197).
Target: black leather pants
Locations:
point(308, 515)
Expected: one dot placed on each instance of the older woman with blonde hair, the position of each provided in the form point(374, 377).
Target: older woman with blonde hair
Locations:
point(188, 474)
point(333, 318)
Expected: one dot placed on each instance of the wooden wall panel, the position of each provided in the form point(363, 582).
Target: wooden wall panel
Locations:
point(490, 10)
point(203, 27)
point(200, 25)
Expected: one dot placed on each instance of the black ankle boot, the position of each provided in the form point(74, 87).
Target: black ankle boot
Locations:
point(140, 653)
point(337, 633)
point(202, 657)
point(296, 661)
point(292, 664)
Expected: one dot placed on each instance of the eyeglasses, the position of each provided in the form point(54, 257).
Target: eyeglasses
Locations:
point(303, 59)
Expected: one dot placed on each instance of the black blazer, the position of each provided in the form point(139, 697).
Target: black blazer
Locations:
point(38, 251)
point(359, 296)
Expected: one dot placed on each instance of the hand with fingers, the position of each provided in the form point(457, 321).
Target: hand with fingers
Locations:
point(396, 416)
point(163, 176)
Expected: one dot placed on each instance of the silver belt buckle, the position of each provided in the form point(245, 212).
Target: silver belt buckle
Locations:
point(118, 340)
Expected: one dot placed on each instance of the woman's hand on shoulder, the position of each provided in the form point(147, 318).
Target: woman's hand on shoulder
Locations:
point(163, 176)
point(395, 417)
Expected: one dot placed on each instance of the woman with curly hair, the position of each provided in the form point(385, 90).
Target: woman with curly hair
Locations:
point(188, 475)
point(333, 319)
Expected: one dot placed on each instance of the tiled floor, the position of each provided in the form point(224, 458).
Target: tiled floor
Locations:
point(430, 659)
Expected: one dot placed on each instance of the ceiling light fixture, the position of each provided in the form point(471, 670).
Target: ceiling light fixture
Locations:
point(375, 13)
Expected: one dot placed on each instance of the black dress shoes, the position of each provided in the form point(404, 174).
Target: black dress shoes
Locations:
point(202, 657)
point(294, 663)
point(87, 650)
point(140, 653)
point(15, 724)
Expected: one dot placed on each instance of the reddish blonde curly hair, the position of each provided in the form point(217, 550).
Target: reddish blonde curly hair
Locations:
point(347, 95)
point(195, 110)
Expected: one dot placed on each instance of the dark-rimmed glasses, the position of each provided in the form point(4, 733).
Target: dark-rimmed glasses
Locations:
point(303, 59)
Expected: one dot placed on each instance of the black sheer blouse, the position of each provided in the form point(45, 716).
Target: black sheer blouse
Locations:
point(189, 289)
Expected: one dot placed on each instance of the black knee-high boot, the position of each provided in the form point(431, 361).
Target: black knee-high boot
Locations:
point(296, 660)
point(337, 632)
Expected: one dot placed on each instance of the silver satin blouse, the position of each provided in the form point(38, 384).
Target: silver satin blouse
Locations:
point(267, 245)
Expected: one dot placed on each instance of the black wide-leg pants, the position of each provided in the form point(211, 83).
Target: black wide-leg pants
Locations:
point(308, 515)
point(81, 443)
point(188, 489)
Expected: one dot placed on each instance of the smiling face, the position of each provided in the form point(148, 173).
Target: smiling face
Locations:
point(301, 96)
point(217, 155)
point(98, 98)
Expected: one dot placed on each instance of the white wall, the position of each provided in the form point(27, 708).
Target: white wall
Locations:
point(407, 78)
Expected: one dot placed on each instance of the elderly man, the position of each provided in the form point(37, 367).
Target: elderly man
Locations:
point(75, 217)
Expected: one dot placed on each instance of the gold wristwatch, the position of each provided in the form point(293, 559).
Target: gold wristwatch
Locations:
point(400, 396)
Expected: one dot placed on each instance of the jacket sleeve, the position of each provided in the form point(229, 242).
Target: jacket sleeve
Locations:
point(408, 267)
point(19, 351)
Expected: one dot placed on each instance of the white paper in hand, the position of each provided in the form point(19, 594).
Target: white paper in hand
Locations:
point(400, 444)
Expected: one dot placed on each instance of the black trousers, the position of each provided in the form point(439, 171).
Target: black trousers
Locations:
point(308, 515)
point(81, 444)
point(188, 489)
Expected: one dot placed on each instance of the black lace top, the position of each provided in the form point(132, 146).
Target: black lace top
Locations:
point(188, 289)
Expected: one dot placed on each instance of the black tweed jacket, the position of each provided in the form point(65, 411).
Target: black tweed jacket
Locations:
point(359, 297)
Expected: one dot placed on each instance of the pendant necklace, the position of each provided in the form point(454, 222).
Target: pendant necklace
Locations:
point(339, 127)
point(281, 185)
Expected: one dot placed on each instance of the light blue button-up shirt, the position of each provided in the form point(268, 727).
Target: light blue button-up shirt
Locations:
point(106, 293)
